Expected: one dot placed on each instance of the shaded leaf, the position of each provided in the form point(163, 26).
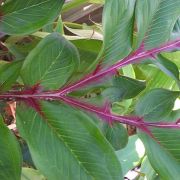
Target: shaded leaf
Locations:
point(116, 134)
point(123, 88)
point(10, 156)
point(88, 50)
point(9, 72)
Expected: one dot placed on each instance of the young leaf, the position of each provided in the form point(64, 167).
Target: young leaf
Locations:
point(116, 134)
point(31, 174)
point(24, 17)
point(50, 63)
point(10, 156)
point(69, 142)
point(156, 104)
point(123, 88)
point(167, 67)
point(155, 21)
point(9, 72)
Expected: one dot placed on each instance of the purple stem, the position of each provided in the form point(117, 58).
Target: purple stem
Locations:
point(108, 116)
point(101, 112)
point(139, 54)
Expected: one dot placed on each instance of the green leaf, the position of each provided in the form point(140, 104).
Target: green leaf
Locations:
point(167, 67)
point(50, 63)
point(131, 155)
point(155, 20)
point(9, 72)
point(156, 104)
point(88, 50)
point(20, 46)
point(123, 88)
point(73, 4)
point(86, 33)
point(163, 152)
point(118, 24)
point(116, 134)
point(97, 1)
point(24, 17)
point(173, 56)
point(10, 156)
point(31, 174)
point(68, 142)
point(160, 158)
point(154, 78)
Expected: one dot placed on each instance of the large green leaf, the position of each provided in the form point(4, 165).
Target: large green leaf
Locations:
point(118, 24)
point(9, 72)
point(155, 20)
point(25, 17)
point(68, 142)
point(163, 152)
point(167, 166)
point(51, 62)
point(10, 156)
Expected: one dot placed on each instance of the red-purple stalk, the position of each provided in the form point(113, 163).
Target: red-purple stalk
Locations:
point(34, 94)
point(102, 112)
point(136, 56)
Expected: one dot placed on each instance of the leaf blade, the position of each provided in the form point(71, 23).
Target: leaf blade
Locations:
point(10, 156)
point(56, 60)
point(9, 72)
point(78, 142)
point(29, 15)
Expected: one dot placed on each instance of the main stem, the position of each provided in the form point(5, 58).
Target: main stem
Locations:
point(61, 94)
point(136, 56)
